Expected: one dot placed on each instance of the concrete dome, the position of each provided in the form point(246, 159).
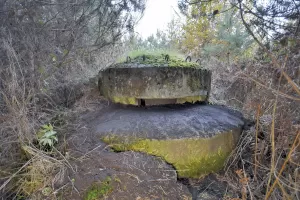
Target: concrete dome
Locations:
point(153, 80)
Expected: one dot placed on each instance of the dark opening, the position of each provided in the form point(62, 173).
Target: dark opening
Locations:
point(152, 102)
point(143, 102)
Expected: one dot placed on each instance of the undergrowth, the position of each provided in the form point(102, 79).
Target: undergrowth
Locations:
point(33, 154)
point(265, 164)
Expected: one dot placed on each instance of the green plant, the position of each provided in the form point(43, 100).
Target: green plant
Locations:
point(99, 190)
point(47, 136)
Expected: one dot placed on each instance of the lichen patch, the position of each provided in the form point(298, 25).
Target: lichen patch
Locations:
point(192, 158)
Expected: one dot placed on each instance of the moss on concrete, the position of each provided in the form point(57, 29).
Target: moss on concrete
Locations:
point(125, 100)
point(192, 158)
point(194, 99)
point(193, 84)
point(158, 60)
point(134, 101)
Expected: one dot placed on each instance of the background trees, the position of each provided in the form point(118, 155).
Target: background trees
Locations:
point(213, 29)
point(267, 21)
point(272, 20)
point(44, 43)
point(199, 29)
point(231, 39)
point(169, 39)
point(48, 35)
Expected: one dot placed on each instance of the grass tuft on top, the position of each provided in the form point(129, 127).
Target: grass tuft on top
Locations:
point(159, 58)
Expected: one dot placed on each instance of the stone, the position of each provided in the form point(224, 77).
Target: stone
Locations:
point(155, 81)
point(195, 139)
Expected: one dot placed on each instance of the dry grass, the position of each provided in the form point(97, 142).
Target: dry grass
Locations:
point(40, 176)
point(24, 168)
point(40, 69)
point(33, 91)
point(17, 128)
point(268, 154)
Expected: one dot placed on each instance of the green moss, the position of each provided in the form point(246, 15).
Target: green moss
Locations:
point(156, 52)
point(119, 143)
point(157, 58)
point(99, 190)
point(125, 100)
point(192, 158)
point(193, 99)
point(133, 100)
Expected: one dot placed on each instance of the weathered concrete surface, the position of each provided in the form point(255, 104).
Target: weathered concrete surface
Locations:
point(154, 85)
point(168, 122)
point(133, 176)
point(195, 139)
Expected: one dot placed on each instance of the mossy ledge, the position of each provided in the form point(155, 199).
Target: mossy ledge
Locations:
point(192, 158)
point(134, 101)
point(124, 100)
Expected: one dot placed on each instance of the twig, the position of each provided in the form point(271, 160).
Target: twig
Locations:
point(158, 180)
point(273, 90)
point(90, 151)
point(256, 139)
point(73, 186)
point(65, 159)
point(273, 130)
point(284, 192)
point(296, 140)
point(134, 176)
point(247, 182)
point(62, 187)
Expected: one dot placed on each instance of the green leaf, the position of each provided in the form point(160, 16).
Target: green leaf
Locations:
point(49, 134)
point(45, 141)
point(55, 138)
point(50, 143)
point(45, 126)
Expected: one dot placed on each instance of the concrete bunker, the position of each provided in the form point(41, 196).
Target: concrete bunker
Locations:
point(195, 139)
point(147, 80)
